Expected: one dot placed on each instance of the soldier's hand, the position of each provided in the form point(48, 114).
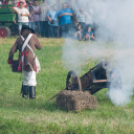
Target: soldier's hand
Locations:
point(10, 63)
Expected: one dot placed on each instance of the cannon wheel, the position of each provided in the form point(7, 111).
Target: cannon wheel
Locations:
point(115, 79)
point(4, 32)
point(69, 81)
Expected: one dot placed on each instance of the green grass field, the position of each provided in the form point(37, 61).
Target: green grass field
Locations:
point(39, 116)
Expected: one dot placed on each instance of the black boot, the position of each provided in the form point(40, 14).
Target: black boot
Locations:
point(32, 92)
point(25, 91)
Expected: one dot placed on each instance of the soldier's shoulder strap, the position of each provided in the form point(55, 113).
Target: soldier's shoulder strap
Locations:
point(26, 41)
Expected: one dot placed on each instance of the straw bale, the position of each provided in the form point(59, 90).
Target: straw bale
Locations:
point(76, 100)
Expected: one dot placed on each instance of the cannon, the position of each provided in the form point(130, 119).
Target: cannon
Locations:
point(99, 77)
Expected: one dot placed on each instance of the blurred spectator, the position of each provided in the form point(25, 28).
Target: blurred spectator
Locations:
point(13, 2)
point(36, 18)
point(0, 3)
point(80, 17)
point(73, 18)
point(58, 4)
point(65, 20)
point(27, 3)
point(23, 14)
point(44, 9)
point(4, 2)
point(74, 5)
point(60, 7)
point(59, 31)
point(69, 5)
point(30, 3)
point(31, 17)
point(18, 1)
point(89, 34)
point(78, 33)
point(53, 22)
point(89, 17)
point(61, 20)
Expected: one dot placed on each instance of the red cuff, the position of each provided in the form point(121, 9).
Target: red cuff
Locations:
point(9, 61)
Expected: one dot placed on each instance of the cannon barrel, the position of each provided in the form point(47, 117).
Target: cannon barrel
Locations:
point(103, 64)
point(96, 77)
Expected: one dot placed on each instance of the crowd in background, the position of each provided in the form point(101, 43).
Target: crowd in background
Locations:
point(68, 19)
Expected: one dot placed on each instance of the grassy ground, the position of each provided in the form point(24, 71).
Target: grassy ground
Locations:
point(20, 116)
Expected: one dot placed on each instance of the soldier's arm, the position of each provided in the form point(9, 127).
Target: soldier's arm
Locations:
point(11, 53)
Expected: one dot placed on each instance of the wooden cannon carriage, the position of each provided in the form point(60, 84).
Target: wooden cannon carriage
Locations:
point(97, 78)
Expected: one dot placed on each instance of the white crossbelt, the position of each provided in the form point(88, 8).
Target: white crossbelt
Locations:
point(26, 44)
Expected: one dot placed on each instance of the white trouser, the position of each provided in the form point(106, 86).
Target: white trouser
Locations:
point(29, 78)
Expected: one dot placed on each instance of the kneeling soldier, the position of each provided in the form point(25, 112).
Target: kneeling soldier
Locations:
point(26, 45)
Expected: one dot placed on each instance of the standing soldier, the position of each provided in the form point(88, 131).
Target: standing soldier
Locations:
point(26, 45)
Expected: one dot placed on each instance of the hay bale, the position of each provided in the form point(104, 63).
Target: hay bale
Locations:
point(76, 100)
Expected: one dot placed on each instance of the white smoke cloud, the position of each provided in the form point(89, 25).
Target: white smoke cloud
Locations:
point(115, 22)
point(119, 97)
point(76, 54)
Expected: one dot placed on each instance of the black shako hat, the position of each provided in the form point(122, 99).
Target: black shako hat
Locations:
point(26, 27)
